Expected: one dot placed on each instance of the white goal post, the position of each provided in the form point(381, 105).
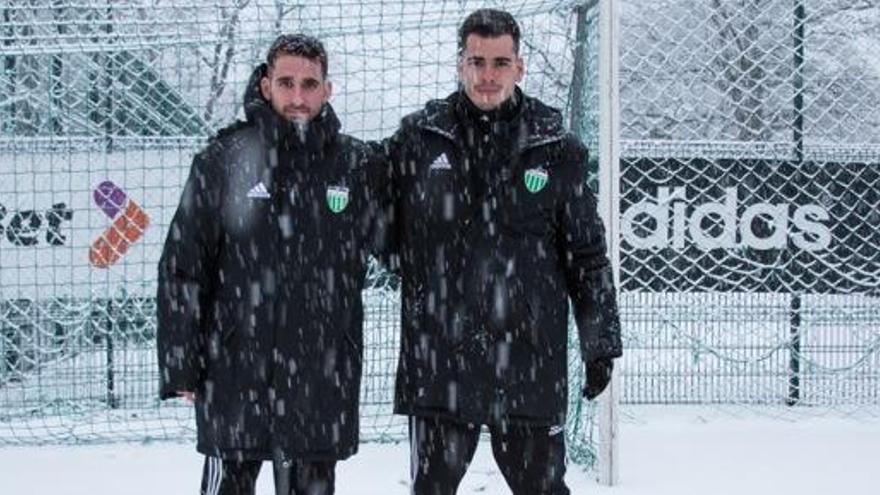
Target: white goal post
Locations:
point(609, 190)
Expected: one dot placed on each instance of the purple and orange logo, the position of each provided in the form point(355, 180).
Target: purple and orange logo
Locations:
point(129, 223)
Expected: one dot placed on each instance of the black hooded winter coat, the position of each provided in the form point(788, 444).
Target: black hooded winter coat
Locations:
point(495, 230)
point(259, 296)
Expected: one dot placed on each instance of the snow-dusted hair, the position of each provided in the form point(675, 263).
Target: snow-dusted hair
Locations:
point(488, 23)
point(301, 45)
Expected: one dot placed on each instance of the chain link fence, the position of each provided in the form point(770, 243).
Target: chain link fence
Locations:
point(749, 194)
point(96, 91)
point(750, 191)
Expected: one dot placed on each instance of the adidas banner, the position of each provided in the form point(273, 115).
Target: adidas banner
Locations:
point(749, 225)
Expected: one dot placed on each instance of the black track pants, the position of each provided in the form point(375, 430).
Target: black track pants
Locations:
point(231, 477)
point(531, 458)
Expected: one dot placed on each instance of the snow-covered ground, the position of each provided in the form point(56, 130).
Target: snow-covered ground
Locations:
point(664, 450)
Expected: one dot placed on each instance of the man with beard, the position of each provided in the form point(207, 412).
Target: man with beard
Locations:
point(259, 297)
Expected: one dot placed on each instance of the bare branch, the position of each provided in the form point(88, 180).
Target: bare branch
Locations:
point(224, 52)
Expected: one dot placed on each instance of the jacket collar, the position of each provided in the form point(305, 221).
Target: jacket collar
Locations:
point(542, 124)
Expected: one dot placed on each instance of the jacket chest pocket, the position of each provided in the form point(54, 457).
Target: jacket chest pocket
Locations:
point(324, 224)
point(531, 210)
point(443, 197)
point(246, 218)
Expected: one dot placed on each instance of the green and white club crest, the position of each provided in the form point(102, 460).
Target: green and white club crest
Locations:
point(337, 198)
point(535, 179)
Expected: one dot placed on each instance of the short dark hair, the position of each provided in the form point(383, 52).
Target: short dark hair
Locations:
point(488, 23)
point(301, 45)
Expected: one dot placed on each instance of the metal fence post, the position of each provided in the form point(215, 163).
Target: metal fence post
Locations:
point(108, 339)
point(794, 381)
point(609, 194)
point(794, 363)
point(4, 365)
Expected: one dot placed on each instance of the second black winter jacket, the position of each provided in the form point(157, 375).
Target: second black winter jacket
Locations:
point(495, 231)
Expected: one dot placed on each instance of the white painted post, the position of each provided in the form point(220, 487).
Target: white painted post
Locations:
point(609, 194)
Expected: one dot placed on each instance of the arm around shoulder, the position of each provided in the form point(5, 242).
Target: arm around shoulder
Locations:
point(383, 170)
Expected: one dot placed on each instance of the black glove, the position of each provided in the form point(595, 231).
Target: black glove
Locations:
point(598, 376)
